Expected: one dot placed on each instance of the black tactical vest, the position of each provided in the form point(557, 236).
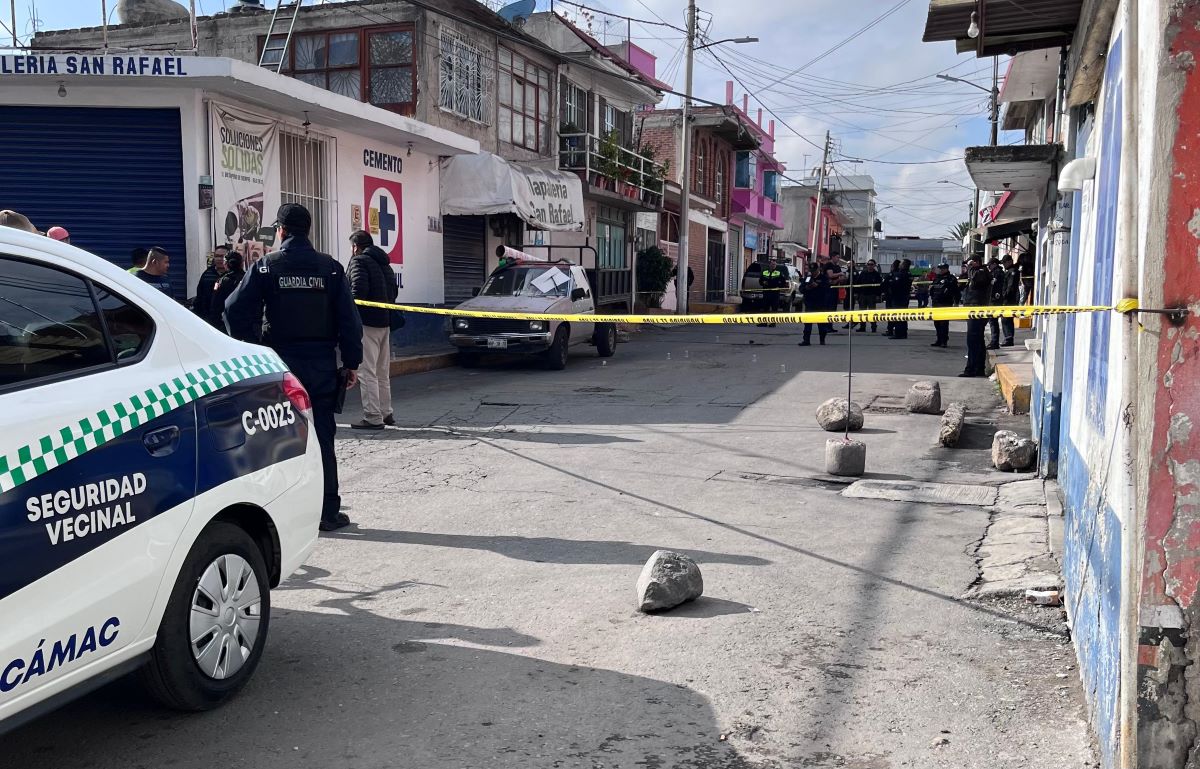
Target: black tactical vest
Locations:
point(299, 306)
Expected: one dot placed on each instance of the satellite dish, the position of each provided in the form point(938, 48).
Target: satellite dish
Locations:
point(516, 13)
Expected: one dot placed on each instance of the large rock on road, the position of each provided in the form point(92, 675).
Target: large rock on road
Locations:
point(667, 580)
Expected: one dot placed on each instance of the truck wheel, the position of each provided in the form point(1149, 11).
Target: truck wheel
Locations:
point(556, 356)
point(606, 339)
point(215, 625)
point(468, 359)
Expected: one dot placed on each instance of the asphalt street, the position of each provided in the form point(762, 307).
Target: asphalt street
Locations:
point(481, 611)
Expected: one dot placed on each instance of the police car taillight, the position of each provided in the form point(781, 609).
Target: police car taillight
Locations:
point(296, 393)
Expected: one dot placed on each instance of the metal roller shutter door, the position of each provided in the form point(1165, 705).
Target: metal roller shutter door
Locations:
point(463, 255)
point(112, 176)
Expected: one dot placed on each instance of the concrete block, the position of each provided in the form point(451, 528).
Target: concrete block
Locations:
point(952, 425)
point(843, 457)
point(924, 398)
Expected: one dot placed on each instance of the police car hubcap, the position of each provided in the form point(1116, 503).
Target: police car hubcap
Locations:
point(226, 609)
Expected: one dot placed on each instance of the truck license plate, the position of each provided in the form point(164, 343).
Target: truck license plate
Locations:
point(497, 344)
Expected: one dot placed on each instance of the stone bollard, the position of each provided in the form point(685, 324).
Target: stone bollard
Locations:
point(843, 457)
point(1011, 452)
point(667, 580)
point(924, 398)
point(831, 415)
point(952, 425)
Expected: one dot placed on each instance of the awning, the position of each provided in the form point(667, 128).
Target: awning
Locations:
point(1006, 229)
point(474, 185)
point(1002, 27)
point(1022, 167)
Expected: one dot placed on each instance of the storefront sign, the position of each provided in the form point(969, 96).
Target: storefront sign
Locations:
point(246, 190)
point(383, 161)
point(81, 64)
point(385, 215)
point(751, 239)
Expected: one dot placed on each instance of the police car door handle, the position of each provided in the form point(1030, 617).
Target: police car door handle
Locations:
point(162, 441)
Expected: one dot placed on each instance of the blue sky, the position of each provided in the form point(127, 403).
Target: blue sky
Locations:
point(876, 93)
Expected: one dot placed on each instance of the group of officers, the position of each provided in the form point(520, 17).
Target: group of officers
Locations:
point(298, 301)
point(999, 283)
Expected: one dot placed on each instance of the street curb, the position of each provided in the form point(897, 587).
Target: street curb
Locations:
point(419, 364)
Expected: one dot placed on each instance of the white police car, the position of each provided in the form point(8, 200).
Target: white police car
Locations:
point(157, 479)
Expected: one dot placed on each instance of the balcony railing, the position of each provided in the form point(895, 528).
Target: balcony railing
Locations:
point(608, 166)
point(757, 205)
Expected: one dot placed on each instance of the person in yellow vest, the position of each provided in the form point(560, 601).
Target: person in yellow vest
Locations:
point(773, 283)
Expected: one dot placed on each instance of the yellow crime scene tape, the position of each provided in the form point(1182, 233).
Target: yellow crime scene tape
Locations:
point(853, 316)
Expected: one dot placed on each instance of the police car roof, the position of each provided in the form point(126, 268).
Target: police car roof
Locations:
point(14, 242)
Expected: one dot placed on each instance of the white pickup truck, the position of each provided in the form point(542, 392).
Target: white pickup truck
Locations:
point(532, 287)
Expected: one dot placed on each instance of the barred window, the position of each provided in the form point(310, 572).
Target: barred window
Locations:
point(463, 81)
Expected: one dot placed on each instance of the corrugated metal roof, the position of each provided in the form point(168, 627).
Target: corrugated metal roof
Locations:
point(1006, 25)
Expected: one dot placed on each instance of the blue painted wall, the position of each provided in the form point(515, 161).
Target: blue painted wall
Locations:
point(1092, 536)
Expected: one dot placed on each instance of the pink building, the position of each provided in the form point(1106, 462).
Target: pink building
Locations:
point(755, 211)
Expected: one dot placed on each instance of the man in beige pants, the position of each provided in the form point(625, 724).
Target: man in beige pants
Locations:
point(373, 279)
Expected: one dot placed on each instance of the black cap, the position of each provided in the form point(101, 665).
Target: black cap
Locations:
point(295, 218)
point(361, 238)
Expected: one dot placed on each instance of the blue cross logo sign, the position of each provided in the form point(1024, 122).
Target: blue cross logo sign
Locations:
point(384, 217)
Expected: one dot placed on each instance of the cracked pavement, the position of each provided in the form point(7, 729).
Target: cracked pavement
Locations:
point(481, 611)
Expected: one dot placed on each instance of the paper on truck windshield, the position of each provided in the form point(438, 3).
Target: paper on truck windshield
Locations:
point(550, 280)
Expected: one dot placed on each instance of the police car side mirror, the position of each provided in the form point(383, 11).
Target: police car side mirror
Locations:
point(475, 291)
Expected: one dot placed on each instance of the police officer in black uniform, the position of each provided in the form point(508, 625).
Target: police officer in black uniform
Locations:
point(819, 296)
point(978, 294)
point(943, 292)
point(309, 317)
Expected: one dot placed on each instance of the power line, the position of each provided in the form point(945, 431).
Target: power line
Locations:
point(856, 34)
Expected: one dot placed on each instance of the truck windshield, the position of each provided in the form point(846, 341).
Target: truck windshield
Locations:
point(529, 281)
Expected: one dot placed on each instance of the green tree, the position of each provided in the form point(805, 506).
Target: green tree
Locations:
point(959, 231)
point(653, 274)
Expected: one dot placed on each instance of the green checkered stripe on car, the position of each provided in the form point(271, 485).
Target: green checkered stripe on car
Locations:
point(74, 440)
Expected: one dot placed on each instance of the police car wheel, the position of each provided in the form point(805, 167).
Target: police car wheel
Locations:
point(556, 356)
point(215, 625)
point(606, 339)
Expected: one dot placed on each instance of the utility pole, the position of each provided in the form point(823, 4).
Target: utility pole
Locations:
point(995, 100)
point(814, 247)
point(685, 170)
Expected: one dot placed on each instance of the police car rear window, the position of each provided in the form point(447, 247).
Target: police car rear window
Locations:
point(51, 326)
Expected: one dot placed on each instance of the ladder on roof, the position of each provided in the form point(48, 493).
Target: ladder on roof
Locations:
point(275, 48)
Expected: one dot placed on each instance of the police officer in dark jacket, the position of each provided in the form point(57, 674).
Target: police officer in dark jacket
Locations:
point(996, 296)
point(1010, 296)
point(309, 317)
point(868, 285)
point(978, 294)
point(897, 292)
point(203, 303)
point(819, 296)
point(230, 280)
point(943, 292)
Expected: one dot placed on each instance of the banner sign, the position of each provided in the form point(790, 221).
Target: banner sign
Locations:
point(81, 64)
point(246, 183)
